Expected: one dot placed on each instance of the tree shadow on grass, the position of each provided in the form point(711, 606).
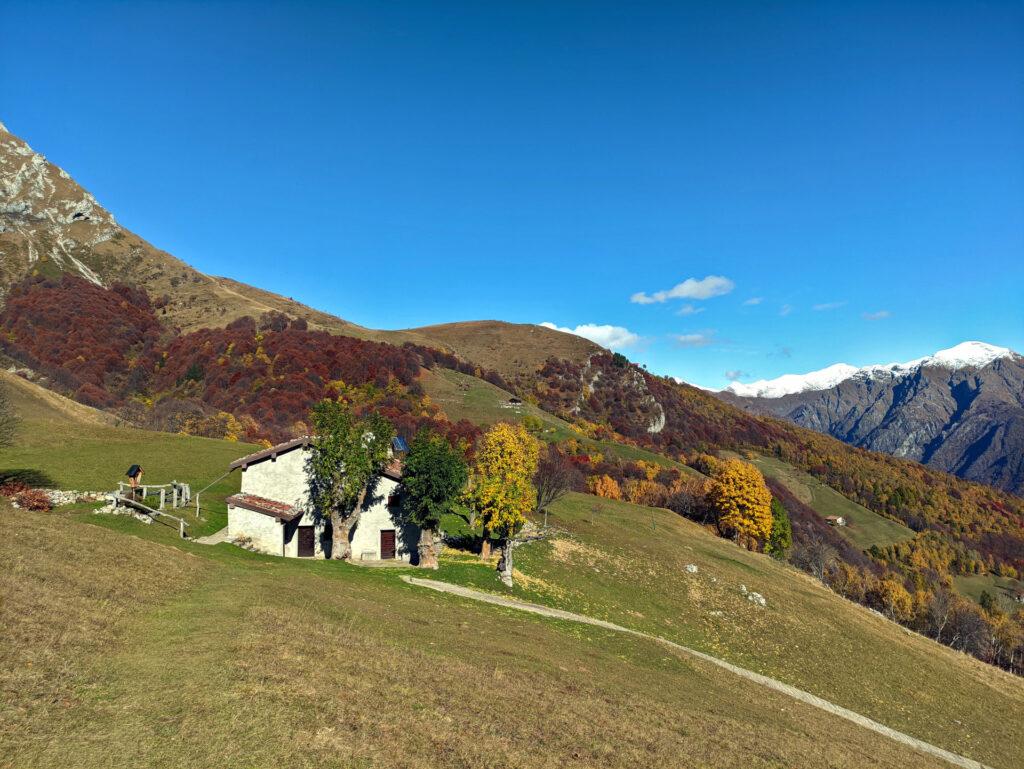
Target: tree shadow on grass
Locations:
point(35, 478)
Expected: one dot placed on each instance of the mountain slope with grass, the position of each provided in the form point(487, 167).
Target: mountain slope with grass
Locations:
point(101, 316)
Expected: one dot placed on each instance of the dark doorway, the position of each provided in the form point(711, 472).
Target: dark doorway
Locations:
point(387, 544)
point(306, 542)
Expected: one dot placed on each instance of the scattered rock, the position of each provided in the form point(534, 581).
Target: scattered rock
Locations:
point(753, 597)
point(111, 509)
point(60, 497)
point(692, 568)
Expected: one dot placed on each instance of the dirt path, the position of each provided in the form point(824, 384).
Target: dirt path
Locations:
point(771, 683)
point(214, 539)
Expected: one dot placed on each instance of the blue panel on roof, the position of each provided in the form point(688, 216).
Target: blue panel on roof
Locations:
point(398, 444)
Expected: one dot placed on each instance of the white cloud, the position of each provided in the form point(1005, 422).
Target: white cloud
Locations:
point(753, 300)
point(735, 374)
point(691, 288)
point(689, 309)
point(612, 337)
point(785, 310)
point(877, 315)
point(828, 306)
point(701, 339)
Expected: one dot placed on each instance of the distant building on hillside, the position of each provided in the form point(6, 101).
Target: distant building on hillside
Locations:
point(835, 520)
point(273, 513)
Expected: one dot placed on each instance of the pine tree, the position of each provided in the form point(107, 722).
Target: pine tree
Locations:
point(780, 540)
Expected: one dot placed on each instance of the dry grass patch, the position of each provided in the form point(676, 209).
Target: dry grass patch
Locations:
point(231, 660)
point(63, 599)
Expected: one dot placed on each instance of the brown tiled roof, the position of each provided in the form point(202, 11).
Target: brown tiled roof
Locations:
point(270, 507)
point(393, 469)
point(271, 453)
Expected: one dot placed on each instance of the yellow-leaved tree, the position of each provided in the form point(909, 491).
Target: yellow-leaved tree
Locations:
point(501, 490)
point(742, 502)
point(604, 486)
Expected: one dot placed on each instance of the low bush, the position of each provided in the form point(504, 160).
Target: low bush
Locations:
point(34, 499)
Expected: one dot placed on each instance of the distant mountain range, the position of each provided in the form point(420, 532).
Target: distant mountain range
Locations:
point(960, 410)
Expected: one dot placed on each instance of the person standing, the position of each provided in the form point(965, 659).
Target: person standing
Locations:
point(135, 479)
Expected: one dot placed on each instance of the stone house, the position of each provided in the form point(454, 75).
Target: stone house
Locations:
point(273, 513)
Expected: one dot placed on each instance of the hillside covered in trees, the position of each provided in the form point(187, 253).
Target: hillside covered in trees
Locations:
point(252, 380)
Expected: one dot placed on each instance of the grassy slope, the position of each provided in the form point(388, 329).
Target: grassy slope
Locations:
point(167, 653)
point(465, 397)
point(626, 563)
point(149, 637)
point(864, 527)
point(1002, 588)
point(510, 348)
point(76, 447)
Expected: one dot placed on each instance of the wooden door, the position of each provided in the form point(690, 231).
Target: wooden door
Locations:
point(387, 544)
point(306, 542)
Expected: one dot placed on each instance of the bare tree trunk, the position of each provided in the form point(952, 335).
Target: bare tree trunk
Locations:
point(335, 535)
point(485, 546)
point(505, 562)
point(427, 549)
point(341, 548)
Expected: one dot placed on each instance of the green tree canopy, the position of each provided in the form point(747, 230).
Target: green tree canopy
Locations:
point(432, 480)
point(780, 540)
point(347, 456)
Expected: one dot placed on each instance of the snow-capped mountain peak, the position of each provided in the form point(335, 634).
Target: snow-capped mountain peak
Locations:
point(974, 354)
point(794, 383)
point(963, 355)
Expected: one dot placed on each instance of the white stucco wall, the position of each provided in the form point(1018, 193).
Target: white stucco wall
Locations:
point(282, 479)
point(264, 532)
point(375, 517)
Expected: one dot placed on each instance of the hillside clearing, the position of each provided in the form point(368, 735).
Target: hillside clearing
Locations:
point(863, 528)
point(236, 660)
point(482, 403)
point(1003, 589)
point(771, 683)
point(627, 564)
point(64, 444)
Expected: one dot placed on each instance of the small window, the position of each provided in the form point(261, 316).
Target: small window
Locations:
point(392, 500)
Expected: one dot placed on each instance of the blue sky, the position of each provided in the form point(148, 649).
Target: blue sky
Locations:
point(836, 181)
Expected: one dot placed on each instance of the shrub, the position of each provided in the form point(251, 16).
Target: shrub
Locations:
point(34, 499)
point(13, 488)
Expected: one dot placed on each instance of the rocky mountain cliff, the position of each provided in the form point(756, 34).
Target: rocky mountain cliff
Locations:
point(960, 410)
